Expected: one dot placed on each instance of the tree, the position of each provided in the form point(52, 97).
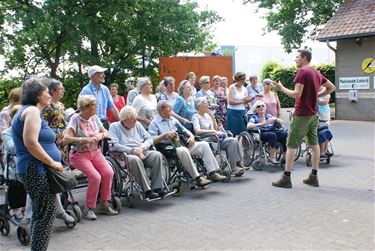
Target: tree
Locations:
point(296, 20)
point(64, 36)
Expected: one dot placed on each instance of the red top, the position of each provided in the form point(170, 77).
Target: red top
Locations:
point(311, 80)
point(119, 104)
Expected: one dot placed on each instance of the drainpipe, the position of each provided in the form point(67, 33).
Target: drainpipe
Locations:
point(330, 46)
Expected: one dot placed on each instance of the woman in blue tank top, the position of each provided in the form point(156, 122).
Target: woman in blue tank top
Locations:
point(36, 148)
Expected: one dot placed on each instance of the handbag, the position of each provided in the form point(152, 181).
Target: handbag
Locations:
point(60, 181)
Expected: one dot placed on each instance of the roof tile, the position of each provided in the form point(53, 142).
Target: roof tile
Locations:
point(354, 17)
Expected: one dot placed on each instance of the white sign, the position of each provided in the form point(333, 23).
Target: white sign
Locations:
point(354, 83)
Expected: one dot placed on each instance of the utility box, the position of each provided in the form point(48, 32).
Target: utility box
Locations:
point(353, 95)
point(179, 67)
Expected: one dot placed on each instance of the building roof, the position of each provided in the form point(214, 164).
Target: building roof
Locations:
point(353, 19)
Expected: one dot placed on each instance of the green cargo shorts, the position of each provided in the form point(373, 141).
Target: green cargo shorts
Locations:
point(300, 127)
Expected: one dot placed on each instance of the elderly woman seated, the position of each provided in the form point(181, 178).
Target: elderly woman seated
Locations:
point(267, 124)
point(84, 131)
point(205, 124)
point(164, 127)
point(129, 136)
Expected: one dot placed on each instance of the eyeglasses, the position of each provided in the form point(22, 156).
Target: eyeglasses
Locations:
point(259, 106)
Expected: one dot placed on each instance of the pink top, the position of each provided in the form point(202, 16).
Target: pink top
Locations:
point(272, 103)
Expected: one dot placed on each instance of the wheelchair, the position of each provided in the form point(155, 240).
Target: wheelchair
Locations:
point(323, 129)
point(124, 184)
point(220, 155)
point(67, 198)
point(255, 151)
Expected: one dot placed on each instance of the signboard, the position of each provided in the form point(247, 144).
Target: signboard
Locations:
point(354, 83)
point(368, 65)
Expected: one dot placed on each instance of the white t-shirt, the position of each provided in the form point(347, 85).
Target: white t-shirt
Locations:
point(145, 108)
point(237, 95)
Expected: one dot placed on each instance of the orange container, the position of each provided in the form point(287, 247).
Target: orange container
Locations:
point(178, 67)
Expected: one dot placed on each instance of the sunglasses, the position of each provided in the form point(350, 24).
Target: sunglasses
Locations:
point(259, 106)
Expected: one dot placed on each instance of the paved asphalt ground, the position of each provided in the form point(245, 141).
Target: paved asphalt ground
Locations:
point(248, 213)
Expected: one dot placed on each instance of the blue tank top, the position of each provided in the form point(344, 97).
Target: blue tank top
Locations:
point(46, 139)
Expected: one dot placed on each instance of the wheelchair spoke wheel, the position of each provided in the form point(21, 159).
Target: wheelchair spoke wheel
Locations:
point(4, 226)
point(308, 159)
point(23, 235)
point(117, 183)
point(298, 153)
point(247, 147)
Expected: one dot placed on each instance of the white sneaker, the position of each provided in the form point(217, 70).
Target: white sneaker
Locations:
point(89, 214)
point(65, 217)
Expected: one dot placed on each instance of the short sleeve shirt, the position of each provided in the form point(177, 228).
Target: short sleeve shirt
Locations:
point(85, 128)
point(103, 97)
point(311, 80)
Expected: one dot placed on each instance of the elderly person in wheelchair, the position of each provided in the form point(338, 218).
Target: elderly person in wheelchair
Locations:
point(206, 127)
point(267, 125)
point(165, 127)
point(128, 136)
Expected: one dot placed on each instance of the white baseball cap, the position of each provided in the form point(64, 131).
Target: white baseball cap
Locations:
point(94, 69)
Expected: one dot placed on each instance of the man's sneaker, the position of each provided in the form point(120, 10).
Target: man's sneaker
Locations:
point(163, 192)
point(65, 217)
point(89, 214)
point(202, 181)
point(107, 210)
point(284, 182)
point(311, 180)
point(217, 177)
point(151, 195)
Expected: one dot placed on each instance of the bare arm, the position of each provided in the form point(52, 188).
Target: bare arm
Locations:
point(296, 93)
point(244, 101)
point(329, 88)
point(30, 135)
point(115, 113)
point(179, 118)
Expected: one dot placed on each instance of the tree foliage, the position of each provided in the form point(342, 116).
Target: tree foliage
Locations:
point(296, 20)
point(61, 38)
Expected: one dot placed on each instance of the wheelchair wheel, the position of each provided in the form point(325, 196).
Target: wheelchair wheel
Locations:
point(298, 153)
point(176, 186)
point(308, 159)
point(4, 226)
point(258, 165)
point(23, 235)
point(247, 146)
point(72, 214)
point(76, 210)
point(116, 204)
point(328, 160)
point(117, 183)
point(129, 198)
point(165, 170)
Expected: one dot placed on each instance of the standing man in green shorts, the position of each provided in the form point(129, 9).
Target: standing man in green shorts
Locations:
point(305, 118)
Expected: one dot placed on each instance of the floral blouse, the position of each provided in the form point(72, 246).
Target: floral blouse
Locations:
point(54, 114)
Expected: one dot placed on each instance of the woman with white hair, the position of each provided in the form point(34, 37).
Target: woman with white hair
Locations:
point(204, 123)
point(84, 132)
point(271, 99)
point(145, 103)
point(267, 125)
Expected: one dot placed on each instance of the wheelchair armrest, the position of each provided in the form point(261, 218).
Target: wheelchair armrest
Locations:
point(255, 130)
